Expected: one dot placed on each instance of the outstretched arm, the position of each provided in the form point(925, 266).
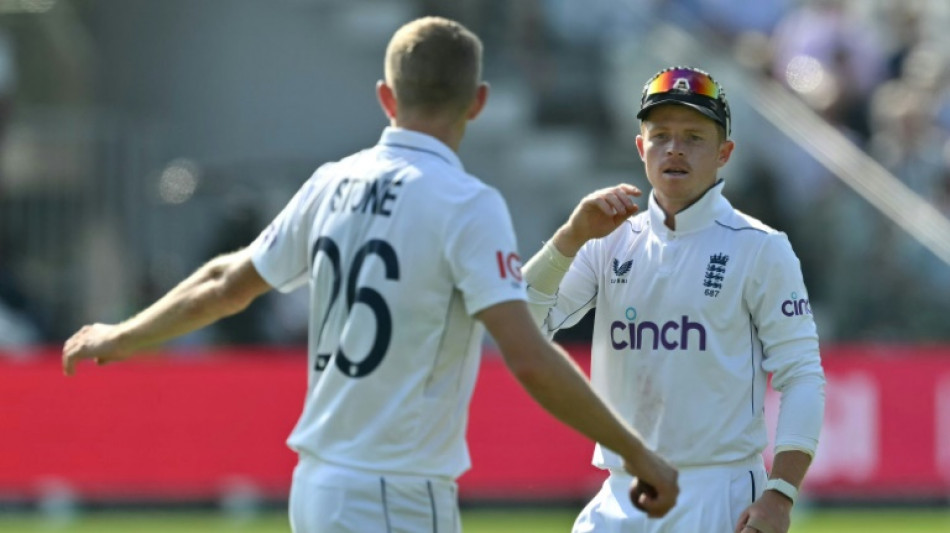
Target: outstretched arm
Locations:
point(555, 382)
point(221, 287)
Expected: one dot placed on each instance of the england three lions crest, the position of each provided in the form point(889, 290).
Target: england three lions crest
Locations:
point(715, 274)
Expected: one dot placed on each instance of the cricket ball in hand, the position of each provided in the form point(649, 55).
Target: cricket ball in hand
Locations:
point(641, 487)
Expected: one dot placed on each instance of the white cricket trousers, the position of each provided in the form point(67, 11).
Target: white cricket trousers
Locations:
point(710, 501)
point(327, 498)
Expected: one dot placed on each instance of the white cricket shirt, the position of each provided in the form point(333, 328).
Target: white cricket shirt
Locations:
point(687, 325)
point(401, 247)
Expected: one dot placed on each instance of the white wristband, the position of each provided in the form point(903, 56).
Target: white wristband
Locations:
point(783, 487)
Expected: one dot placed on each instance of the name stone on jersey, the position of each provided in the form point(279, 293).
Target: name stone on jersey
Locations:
point(375, 197)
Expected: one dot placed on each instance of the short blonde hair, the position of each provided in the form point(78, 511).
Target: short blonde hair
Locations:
point(434, 64)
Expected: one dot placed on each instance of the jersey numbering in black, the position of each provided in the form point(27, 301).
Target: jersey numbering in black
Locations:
point(365, 295)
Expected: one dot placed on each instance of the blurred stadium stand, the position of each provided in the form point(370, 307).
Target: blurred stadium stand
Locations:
point(139, 137)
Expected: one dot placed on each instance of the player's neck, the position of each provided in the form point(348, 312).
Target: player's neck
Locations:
point(450, 133)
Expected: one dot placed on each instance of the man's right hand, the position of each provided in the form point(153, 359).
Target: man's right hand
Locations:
point(96, 341)
point(655, 487)
point(596, 216)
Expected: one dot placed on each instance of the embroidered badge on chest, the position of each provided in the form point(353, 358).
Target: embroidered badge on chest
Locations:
point(620, 270)
point(715, 273)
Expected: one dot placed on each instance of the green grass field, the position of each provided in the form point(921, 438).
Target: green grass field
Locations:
point(474, 521)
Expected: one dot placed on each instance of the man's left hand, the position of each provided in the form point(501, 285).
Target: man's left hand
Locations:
point(770, 514)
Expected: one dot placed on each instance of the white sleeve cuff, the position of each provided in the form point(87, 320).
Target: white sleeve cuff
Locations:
point(545, 270)
point(791, 447)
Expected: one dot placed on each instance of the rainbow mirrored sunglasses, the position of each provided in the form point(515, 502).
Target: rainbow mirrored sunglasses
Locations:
point(684, 84)
point(683, 80)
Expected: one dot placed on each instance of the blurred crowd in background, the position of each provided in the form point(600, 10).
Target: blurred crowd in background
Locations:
point(139, 138)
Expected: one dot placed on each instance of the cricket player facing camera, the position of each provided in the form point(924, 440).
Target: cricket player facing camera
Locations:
point(696, 305)
point(400, 248)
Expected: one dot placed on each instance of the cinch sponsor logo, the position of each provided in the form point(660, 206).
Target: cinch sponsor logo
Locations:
point(796, 306)
point(671, 335)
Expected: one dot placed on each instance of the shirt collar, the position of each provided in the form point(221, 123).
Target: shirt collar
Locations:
point(695, 217)
point(419, 142)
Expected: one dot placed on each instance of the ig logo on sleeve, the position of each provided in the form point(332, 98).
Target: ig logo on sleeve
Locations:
point(509, 265)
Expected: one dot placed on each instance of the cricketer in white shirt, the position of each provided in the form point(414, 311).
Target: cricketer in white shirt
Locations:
point(401, 248)
point(406, 343)
point(688, 326)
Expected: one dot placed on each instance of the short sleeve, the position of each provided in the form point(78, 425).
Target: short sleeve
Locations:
point(481, 250)
point(280, 252)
